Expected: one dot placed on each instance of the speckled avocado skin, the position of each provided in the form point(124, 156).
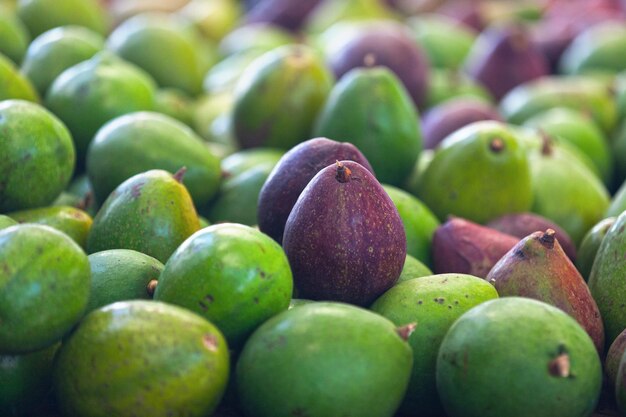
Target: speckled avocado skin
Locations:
point(141, 358)
point(150, 212)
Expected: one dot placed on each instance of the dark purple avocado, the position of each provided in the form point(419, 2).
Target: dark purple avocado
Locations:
point(292, 173)
point(344, 237)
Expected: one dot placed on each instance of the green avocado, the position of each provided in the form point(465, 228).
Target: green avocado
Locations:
point(233, 275)
point(121, 274)
point(89, 94)
point(13, 84)
point(479, 172)
point(588, 249)
point(413, 268)
point(37, 156)
point(599, 48)
point(175, 104)
point(518, 357)
point(370, 108)
point(141, 358)
point(446, 84)
point(56, 50)
point(138, 142)
point(151, 212)
point(70, 220)
point(14, 36)
point(6, 221)
point(44, 287)
point(434, 303)
point(325, 359)
point(42, 15)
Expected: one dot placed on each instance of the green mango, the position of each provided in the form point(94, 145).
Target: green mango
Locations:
point(37, 156)
point(214, 19)
point(325, 359)
point(166, 47)
point(44, 287)
point(331, 12)
point(151, 212)
point(25, 380)
point(175, 104)
point(211, 119)
point(582, 93)
point(91, 93)
point(6, 221)
point(446, 84)
point(257, 38)
point(413, 268)
point(56, 50)
point(618, 202)
point(72, 221)
point(279, 96)
point(434, 303)
point(606, 279)
point(121, 274)
point(233, 275)
point(238, 197)
point(223, 76)
point(480, 172)
point(138, 142)
point(42, 15)
point(296, 302)
point(599, 48)
point(566, 192)
point(241, 161)
point(14, 37)
point(370, 108)
point(13, 84)
point(580, 131)
point(419, 223)
point(141, 358)
point(445, 41)
point(588, 249)
point(518, 357)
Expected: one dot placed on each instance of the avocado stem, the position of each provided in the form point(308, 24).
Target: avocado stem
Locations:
point(560, 366)
point(406, 331)
point(496, 145)
point(369, 60)
point(180, 174)
point(546, 145)
point(151, 287)
point(547, 239)
point(343, 173)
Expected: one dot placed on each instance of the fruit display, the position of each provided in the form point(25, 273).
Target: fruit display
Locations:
point(312, 208)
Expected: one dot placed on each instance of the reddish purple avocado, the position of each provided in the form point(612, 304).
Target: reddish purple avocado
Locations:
point(344, 238)
point(292, 173)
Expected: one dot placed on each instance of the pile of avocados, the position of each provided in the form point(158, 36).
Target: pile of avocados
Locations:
point(312, 208)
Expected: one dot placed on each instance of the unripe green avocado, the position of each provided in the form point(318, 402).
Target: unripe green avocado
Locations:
point(141, 359)
point(14, 36)
point(72, 221)
point(42, 15)
point(13, 84)
point(44, 287)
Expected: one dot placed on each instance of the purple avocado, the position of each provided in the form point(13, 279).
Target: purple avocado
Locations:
point(292, 173)
point(288, 14)
point(344, 237)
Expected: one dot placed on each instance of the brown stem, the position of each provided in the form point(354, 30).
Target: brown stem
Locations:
point(151, 287)
point(369, 60)
point(547, 239)
point(560, 366)
point(496, 145)
point(180, 174)
point(405, 331)
point(343, 173)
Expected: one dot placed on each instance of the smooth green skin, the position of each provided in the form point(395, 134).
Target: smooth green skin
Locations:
point(618, 202)
point(141, 358)
point(278, 97)
point(588, 249)
point(257, 38)
point(25, 380)
point(297, 302)
point(494, 362)
point(214, 19)
point(223, 76)
point(606, 280)
point(72, 221)
point(42, 15)
point(233, 275)
point(37, 156)
point(331, 12)
point(165, 48)
point(568, 193)
point(370, 108)
point(120, 275)
point(44, 287)
point(14, 85)
point(91, 93)
point(619, 87)
point(211, 119)
point(467, 179)
point(434, 303)
point(151, 213)
point(419, 223)
point(6, 221)
point(138, 142)
point(620, 387)
point(324, 359)
point(14, 37)
point(56, 50)
point(598, 48)
point(174, 103)
point(580, 131)
point(582, 93)
point(445, 42)
point(413, 269)
point(446, 84)
point(237, 200)
point(242, 161)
